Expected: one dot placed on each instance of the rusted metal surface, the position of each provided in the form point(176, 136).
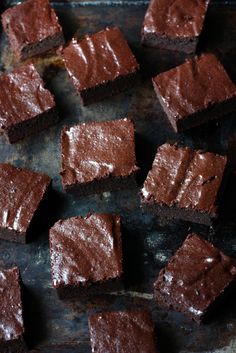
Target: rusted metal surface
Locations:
point(61, 327)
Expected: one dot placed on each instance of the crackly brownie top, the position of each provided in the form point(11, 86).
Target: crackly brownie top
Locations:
point(194, 86)
point(175, 18)
point(122, 331)
point(29, 23)
point(196, 275)
point(22, 96)
point(184, 177)
point(86, 249)
point(99, 58)
point(97, 150)
point(21, 191)
point(11, 318)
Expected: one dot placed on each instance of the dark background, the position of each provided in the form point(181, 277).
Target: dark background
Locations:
point(57, 326)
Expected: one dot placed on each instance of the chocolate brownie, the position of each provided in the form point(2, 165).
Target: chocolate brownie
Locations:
point(26, 107)
point(100, 65)
point(21, 193)
point(122, 332)
point(195, 92)
point(98, 157)
point(174, 25)
point(32, 28)
point(185, 184)
point(11, 312)
point(86, 255)
point(195, 278)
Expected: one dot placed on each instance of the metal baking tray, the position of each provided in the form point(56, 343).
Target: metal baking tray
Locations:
point(61, 326)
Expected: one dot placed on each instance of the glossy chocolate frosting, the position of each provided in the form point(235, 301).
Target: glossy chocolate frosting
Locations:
point(194, 86)
point(97, 150)
point(86, 250)
point(22, 96)
point(175, 18)
point(195, 276)
point(21, 191)
point(30, 22)
point(184, 177)
point(11, 317)
point(99, 58)
point(122, 332)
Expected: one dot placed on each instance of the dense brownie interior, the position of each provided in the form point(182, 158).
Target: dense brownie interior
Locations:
point(194, 278)
point(122, 331)
point(189, 92)
point(21, 192)
point(97, 156)
point(85, 251)
point(186, 180)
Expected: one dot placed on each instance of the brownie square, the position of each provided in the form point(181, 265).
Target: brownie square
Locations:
point(26, 107)
point(98, 157)
point(195, 92)
point(185, 184)
point(32, 28)
point(195, 278)
point(11, 312)
point(21, 194)
point(122, 331)
point(174, 25)
point(86, 255)
point(100, 65)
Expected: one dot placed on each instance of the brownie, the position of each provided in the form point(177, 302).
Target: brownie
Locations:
point(11, 312)
point(98, 157)
point(185, 184)
point(86, 255)
point(174, 25)
point(32, 28)
point(122, 332)
point(195, 278)
point(195, 92)
point(21, 194)
point(100, 65)
point(26, 107)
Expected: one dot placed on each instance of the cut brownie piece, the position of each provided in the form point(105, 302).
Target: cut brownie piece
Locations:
point(21, 192)
point(98, 157)
point(174, 25)
point(185, 184)
point(122, 331)
point(11, 313)
point(26, 107)
point(195, 92)
point(32, 28)
point(195, 277)
point(100, 65)
point(86, 255)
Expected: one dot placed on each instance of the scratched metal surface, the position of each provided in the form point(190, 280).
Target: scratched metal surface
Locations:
point(57, 326)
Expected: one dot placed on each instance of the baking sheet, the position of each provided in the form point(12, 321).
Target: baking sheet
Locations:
point(58, 326)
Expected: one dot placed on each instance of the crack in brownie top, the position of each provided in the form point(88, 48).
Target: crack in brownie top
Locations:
point(86, 249)
point(98, 150)
point(21, 191)
point(30, 22)
point(195, 276)
point(194, 86)
point(184, 177)
point(22, 96)
point(175, 18)
point(11, 323)
point(99, 58)
point(130, 331)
